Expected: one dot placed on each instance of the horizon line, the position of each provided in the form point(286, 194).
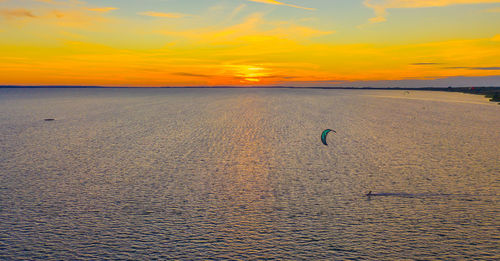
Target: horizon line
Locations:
point(243, 87)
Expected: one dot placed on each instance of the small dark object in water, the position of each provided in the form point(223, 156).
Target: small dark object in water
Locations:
point(49, 119)
point(405, 195)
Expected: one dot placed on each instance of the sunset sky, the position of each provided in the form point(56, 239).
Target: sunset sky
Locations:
point(250, 42)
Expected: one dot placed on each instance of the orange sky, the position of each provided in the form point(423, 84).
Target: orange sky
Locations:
point(247, 42)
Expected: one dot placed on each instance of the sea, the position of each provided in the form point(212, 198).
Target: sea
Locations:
point(242, 174)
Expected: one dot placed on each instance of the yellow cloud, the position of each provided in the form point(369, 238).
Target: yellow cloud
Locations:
point(165, 15)
point(236, 11)
point(11, 13)
point(298, 31)
point(76, 19)
point(102, 9)
point(380, 6)
point(253, 29)
point(256, 50)
point(269, 62)
point(70, 13)
point(274, 2)
point(48, 18)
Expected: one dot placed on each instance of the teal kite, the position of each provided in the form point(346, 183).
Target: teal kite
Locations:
point(324, 134)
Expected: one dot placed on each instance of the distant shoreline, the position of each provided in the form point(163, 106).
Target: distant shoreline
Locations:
point(490, 92)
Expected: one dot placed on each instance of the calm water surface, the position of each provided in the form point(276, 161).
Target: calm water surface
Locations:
point(241, 174)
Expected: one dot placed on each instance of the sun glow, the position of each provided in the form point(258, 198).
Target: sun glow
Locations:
point(249, 73)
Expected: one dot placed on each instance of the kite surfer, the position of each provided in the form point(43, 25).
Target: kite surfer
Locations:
point(324, 134)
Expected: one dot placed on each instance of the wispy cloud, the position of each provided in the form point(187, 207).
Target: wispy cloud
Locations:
point(425, 63)
point(70, 13)
point(380, 6)
point(12, 13)
point(274, 2)
point(494, 68)
point(102, 9)
point(236, 11)
point(191, 74)
point(232, 44)
point(164, 15)
point(57, 18)
point(254, 28)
